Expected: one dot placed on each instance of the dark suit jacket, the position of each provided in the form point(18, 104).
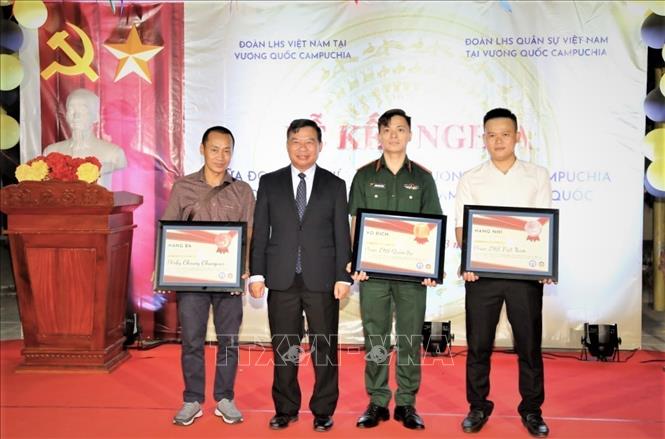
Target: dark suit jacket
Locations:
point(323, 233)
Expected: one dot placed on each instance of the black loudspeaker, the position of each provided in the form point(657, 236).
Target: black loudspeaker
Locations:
point(437, 338)
point(601, 341)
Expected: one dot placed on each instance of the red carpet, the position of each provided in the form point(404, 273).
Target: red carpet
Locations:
point(584, 399)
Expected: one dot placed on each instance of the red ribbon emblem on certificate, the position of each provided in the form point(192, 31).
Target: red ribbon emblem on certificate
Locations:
point(223, 240)
point(421, 233)
point(533, 229)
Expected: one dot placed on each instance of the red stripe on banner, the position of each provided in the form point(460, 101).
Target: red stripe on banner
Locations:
point(191, 236)
point(504, 222)
point(395, 225)
point(198, 235)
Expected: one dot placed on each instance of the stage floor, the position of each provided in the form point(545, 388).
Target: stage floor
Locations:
point(584, 399)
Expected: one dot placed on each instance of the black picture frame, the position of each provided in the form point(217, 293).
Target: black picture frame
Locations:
point(396, 226)
point(485, 243)
point(215, 266)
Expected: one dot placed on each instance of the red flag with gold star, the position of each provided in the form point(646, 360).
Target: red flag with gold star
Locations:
point(133, 56)
point(133, 60)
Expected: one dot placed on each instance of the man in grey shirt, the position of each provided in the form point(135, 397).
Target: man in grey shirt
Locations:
point(210, 194)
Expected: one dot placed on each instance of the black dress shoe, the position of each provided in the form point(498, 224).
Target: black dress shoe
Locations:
point(535, 425)
point(323, 423)
point(372, 416)
point(408, 416)
point(282, 421)
point(474, 421)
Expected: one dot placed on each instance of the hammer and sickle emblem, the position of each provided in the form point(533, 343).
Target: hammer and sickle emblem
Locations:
point(81, 62)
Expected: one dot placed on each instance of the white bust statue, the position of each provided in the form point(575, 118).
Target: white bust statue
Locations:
point(82, 114)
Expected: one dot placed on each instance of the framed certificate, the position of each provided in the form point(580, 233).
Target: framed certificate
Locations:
point(511, 242)
point(399, 246)
point(200, 256)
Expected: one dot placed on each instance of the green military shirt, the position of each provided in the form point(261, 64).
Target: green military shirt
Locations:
point(411, 190)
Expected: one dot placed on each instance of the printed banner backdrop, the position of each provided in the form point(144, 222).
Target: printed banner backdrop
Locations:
point(573, 72)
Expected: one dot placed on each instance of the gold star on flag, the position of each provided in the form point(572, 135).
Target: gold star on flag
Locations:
point(133, 56)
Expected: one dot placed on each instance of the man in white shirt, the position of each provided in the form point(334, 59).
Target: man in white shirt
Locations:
point(503, 180)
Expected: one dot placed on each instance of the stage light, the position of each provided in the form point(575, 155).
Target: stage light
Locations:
point(437, 337)
point(601, 341)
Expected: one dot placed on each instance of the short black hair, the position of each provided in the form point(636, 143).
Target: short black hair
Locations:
point(384, 120)
point(295, 126)
point(220, 130)
point(497, 113)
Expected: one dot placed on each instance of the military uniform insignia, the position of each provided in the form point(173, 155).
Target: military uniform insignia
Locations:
point(377, 185)
point(374, 163)
point(411, 186)
point(422, 167)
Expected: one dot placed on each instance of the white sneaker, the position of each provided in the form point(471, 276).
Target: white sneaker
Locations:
point(188, 413)
point(228, 411)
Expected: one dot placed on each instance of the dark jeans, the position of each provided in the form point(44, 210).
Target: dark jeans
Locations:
point(193, 311)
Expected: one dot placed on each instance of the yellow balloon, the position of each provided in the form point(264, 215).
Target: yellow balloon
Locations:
point(657, 7)
point(655, 141)
point(30, 13)
point(11, 72)
point(655, 175)
point(9, 131)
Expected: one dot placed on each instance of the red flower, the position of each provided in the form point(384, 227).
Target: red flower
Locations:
point(94, 161)
point(63, 167)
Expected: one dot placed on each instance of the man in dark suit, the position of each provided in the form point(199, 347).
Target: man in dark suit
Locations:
point(300, 247)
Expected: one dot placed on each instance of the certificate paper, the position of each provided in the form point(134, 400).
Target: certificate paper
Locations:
point(512, 243)
point(401, 246)
point(200, 256)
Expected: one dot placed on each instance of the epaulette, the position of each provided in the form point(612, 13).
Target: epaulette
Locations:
point(421, 167)
point(372, 164)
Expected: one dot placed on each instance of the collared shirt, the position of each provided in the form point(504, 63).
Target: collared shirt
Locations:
point(411, 190)
point(524, 185)
point(309, 180)
point(235, 202)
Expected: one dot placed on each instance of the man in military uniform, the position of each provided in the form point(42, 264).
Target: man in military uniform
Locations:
point(395, 183)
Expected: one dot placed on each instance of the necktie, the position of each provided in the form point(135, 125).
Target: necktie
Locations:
point(301, 203)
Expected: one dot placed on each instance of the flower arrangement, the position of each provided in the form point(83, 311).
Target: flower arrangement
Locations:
point(60, 167)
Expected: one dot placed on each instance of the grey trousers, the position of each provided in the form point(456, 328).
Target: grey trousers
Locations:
point(193, 311)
